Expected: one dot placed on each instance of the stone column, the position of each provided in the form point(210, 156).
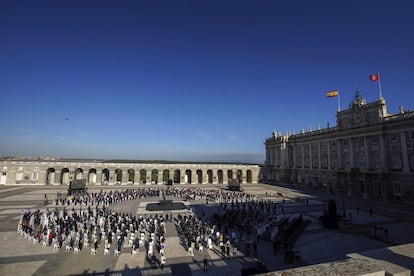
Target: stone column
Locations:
point(351, 153)
point(310, 156)
point(367, 151)
point(404, 153)
point(303, 157)
point(282, 155)
point(329, 155)
point(269, 157)
point(294, 156)
point(340, 146)
point(319, 156)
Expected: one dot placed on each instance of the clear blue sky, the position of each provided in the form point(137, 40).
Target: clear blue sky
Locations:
point(190, 80)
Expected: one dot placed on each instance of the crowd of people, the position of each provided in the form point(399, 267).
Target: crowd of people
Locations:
point(97, 228)
point(88, 220)
point(106, 198)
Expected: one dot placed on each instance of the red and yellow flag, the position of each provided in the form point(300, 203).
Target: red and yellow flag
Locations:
point(333, 93)
point(374, 77)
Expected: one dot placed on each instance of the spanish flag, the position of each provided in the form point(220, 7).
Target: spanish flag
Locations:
point(374, 77)
point(333, 93)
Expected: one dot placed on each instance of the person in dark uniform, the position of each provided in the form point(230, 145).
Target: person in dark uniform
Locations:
point(205, 264)
point(228, 248)
point(153, 261)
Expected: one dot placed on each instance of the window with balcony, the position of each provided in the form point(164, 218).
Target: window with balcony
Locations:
point(396, 162)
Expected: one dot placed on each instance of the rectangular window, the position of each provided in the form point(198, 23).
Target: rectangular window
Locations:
point(333, 162)
point(397, 187)
point(396, 161)
point(315, 162)
point(35, 176)
point(377, 163)
point(19, 176)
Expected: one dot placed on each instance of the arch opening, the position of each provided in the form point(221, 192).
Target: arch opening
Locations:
point(210, 177)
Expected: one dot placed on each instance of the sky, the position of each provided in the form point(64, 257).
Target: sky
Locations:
point(199, 80)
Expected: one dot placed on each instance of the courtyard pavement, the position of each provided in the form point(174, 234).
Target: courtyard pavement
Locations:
point(363, 231)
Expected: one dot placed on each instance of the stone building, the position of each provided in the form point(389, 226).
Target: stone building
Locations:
point(369, 153)
point(61, 172)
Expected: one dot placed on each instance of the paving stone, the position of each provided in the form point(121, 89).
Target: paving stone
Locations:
point(18, 256)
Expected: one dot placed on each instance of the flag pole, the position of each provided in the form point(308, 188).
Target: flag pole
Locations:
point(339, 105)
point(379, 86)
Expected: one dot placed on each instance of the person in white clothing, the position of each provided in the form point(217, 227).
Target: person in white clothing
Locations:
point(209, 243)
point(163, 261)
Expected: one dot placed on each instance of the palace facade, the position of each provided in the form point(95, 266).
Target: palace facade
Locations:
point(369, 153)
point(22, 172)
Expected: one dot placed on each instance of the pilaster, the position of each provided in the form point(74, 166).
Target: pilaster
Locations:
point(404, 152)
point(351, 152)
point(303, 156)
point(310, 156)
point(328, 148)
point(124, 177)
point(112, 177)
point(160, 180)
point(137, 179)
point(367, 150)
point(98, 177)
point(384, 157)
point(340, 145)
point(294, 157)
point(319, 156)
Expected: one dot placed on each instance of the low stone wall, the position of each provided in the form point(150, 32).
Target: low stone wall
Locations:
point(395, 260)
